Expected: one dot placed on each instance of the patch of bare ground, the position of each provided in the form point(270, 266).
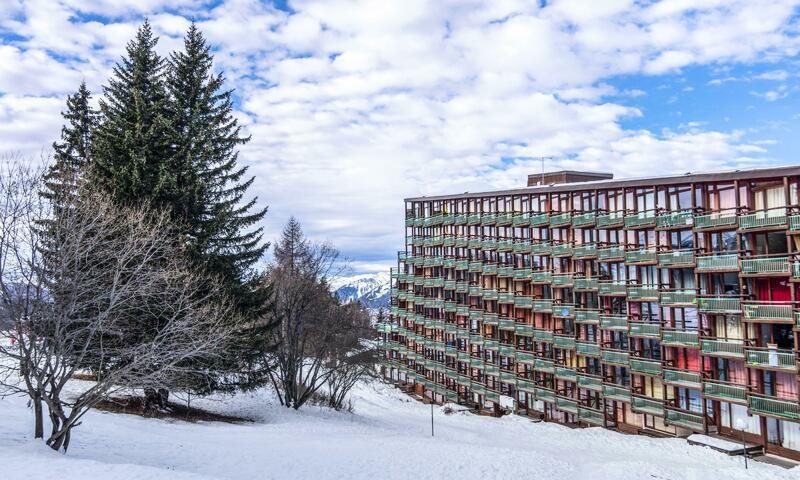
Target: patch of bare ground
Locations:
point(132, 405)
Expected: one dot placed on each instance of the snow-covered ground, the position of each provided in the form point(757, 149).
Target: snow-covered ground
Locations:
point(388, 436)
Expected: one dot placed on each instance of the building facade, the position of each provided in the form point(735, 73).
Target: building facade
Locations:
point(662, 306)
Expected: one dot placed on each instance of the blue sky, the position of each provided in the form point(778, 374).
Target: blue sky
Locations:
point(355, 104)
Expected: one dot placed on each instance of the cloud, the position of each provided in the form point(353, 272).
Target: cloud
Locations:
point(355, 104)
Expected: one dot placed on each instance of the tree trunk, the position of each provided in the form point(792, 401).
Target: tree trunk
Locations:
point(38, 428)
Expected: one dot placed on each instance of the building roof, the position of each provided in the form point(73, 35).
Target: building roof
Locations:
point(672, 179)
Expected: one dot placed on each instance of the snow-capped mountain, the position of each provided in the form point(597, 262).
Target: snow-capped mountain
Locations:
point(370, 289)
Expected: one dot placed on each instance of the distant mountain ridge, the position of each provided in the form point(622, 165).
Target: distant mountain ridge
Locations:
point(370, 289)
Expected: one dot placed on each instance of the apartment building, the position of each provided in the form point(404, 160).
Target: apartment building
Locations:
point(661, 306)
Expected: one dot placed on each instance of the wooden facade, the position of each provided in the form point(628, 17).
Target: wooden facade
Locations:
point(664, 306)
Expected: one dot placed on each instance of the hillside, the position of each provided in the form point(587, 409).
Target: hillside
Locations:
point(387, 437)
point(370, 289)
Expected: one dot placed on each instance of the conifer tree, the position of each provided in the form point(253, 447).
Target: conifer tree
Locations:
point(131, 148)
point(219, 222)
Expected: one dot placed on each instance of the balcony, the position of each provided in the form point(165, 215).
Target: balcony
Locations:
point(584, 220)
point(645, 330)
point(525, 357)
point(462, 287)
point(590, 416)
point(615, 357)
point(645, 367)
point(642, 256)
point(586, 315)
point(610, 220)
point(505, 245)
point(646, 219)
point(449, 263)
point(526, 386)
point(521, 220)
point(541, 248)
point(647, 405)
point(544, 394)
point(563, 280)
point(460, 242)
point(564, 373)
point(614, 322)
point(564, 342)
point(683, 378)
point(766, 266)
point(560, 219)
point(773, 407)
point(587, 349)
point(772, 219)
point(539, 219)
point(476, 267)
point(585, 284)
point(474, 243)
point(542, 305)
point(715, 221)
point(728, 262)
point(678, 298)
point(522, 273)
point(720, 304)
point(462, 264)
point(642, 293)
point(490, 294)
point(614, 253)
point(617, 392)
point(680, 338)
point(540, 277)
point(543, 336)
point(561, 250)
point(523, 330)
point(771, 359)
point(563, 310)
point(543, 365)
point(523, 301)
point(691, 421)
point(505, 297)
point(474, 219)
point(503, 219)
point(506, 324)
point(491, 319)
point(590, 383)
point(490, 269)
point(675, 220)
point(505, 271)
point(460, 220)
point(722, 348)
point(612, 288)
point(489, 244)
point(724, 391)
point(677, 259)
point(584, 251)
point(567, 405)
point(475, 291)
point(773, 312)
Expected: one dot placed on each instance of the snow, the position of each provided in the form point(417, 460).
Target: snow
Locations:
point(387, 437)
point(716, 442)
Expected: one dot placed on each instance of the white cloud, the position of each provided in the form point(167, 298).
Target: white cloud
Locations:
point(354, 104)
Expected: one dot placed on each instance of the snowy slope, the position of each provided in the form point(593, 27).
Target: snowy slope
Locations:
point(388, 437)
point(370, 289)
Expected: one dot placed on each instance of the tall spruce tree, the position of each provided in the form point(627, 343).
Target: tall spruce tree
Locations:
point(220, 224)
point(131, 148)
point(72, 153)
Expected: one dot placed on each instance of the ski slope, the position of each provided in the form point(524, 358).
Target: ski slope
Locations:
point(387, 436)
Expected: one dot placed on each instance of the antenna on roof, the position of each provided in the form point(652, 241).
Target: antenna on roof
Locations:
point(542, 159)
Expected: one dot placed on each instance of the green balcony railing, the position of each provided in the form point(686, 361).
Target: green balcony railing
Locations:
point(542, 277)
point(473, 219)
point(540, 335)
point(505, 271)
point(771, 359)
point(587, 349)
point(584, 219)
point(563, 280)
point(523, 302)
point(682, 219)
point(566, 374)
point(584, 251)
point(491, 319)
point(584, 283)
point(506, 324)
point(676, 258)
point(476, 266)
point(645, 366)
point(563, 310)
point(726, 392)
point(585, 315)
point(678, 297)
point(768, 311)
point(641, 220)
point(525, 357)
point(774, 407)
point(681, 338)
point(505, 246)
point(718, 263)
point(475, 291)
point(683, 378)
point(612, 219)
point(593, 417)
point(523, 330)
point(505, 297)
point(489, 244)
point(766, 266)
point(692, 421)
point(561, 250)
point(611, 254)
point(543, 365)
point(641, 256)
point(488, 219)
point(646, 330)
point(544, 394)
point(564, 342)
point(560, 219)
point(462, 287)
point(590, 383)
point(490, 294)
point(613, 322)
point(541, 248)
point(611, 287)
point(719, 304)
point(616, 357)
point(794, 223)
point(539, 219)
point(617, 392)
point(647, 405)
point(460, 219)
point(715, 220)
point(643, 292)
point(521, 220)
point(522, 273)
point(763, 219)
point(567, 405)
point(542, 305)
point(722, 348)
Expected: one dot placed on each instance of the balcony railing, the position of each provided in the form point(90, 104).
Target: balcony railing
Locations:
point(643, 292)
point(563, 310)
point(768, 312)
point(584, 251)
point(585, 315)
point(587, 349)
point(611, 287)
point(680, 219)
point(523, 302)
point(645, 366)
point(523, 330)
point(646, 330)
point(521, 220)
point(676, 258)
point(522, 273)
point(722, 348)
point(611, 254)
point(560, 219)
point(539, 219)
point(766, 266)
point(728, 262)
point(764, 219)
point(683, 378)
point(680, 338)
point(614, 322)
point(641, 220)
point(566, 374)
point(678, 297)
point(692, 421)
point(715, 220)
point(543, 365)
point(641, 256)
point(561, 250)
point(542, 277)
point(720, 304)
point(609, 220)
point(584, 219)
point(647, 405)
point(590, 383)
point(542, 305)
point(563, 280)
point(773, 407)
point(541, 248)
point(584, 283)
point(588, 415)
point(503, 219)
point(727, 392)
point(564, 342)
point(771, 358)
point(616, 357)
point(544, 394)
point(567, 405)
point(521, 247)
point(616, 392)
point(544, 336)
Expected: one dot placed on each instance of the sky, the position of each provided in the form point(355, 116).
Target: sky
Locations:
point(354, 105)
